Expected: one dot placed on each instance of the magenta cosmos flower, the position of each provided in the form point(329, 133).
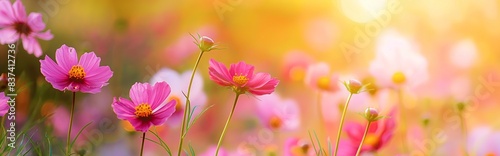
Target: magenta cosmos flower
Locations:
point(4, 107)
point(319, 76)
point(15, 24)
point(278, 114)
point(379, 134)
point(241, 79)
point(70, 74)
point(148, 105)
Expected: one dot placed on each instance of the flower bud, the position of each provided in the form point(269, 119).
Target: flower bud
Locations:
point(371, 114)
point(354, 86)
point(3, 81)
point(206, 43)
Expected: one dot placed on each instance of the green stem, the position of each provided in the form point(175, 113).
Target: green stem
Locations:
point(187, 110)
point(68, 152)
point(464, 132)
point(342, 123)
point(403, 120)
point(143, 138)
point(227, 123)
point(363, 139)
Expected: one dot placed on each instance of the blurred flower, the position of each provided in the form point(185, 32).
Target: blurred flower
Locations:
point(278, 114)
point(211, 152)
point(240, 78)
point(182, 48)
point(60, 119)
point(180, 82)
point(318, 77)
point(14, 24)
point(295, 66)
point(463, 54)
point(148, 107)
point(297, 147)
point(379, 134)
point(397, 62)
point(354, 86)
point(70, 74)
point(484, 141)
point(4, 107)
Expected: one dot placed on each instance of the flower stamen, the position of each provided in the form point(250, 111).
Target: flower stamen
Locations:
point(143, 111)
point(240, 79)
point(76, 74)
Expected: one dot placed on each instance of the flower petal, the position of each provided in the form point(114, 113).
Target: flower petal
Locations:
point(158, 94)
point(54, 74)
point(8, 35)
point(219, 73)
point(47, 35)
point(66, 57)
point(139, 93)
point(6, 13)
point(163, 112)
point(35, 22)
point(140, 125)
point(19, 11)
point(241, 68)
point(123, 108)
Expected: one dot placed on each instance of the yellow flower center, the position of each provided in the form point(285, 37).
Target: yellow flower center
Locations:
point(143, 111)
point(76, 73)
point(240, 79)
point(300, 150)
point(491, 154)
point(371, 139)
point(178, 104)
point(399, 78)
point(275, 122)
point(324, 83)
point(297, 74)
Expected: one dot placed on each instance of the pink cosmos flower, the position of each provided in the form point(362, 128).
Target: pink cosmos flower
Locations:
point(4, 106)
point(241, 78)
point(398, 62)
point(70, 74)
point(295, 66)
point(297, 147)
point(484, 141)
point(179, 84)
point(148, 105)
point(379, 135)
point(14, 24)
point(318, 76)
point(278, 114)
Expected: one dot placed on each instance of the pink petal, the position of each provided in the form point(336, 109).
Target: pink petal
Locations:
point(123, 108)
point(66, 57)
point(4, 106)
point(163, 112)
point(31, 45)
point(19, 11)
point(89, 61)
point(54, 74)
point(47, 35)
point(267, 88)
point(219, 73)
point(140, 125)
point(6, 13)
point(139, 93)
point(96, 79)
point(158, 94)
point(355, 131)
point(8, 35)
point(35, 22)
point(241, 68)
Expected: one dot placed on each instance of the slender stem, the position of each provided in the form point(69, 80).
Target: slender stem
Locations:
point(3, 125)
point(464, 132)
point(403, 120)
point(363, 139)
point(143, 138)
point(322, 127)
point(342, 123)
point(227, 123)
point(187, 110)
point(68, 152)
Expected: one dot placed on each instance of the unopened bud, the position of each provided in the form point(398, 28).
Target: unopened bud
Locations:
point(354, 86)
point(371, 114)
point(206, 43)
